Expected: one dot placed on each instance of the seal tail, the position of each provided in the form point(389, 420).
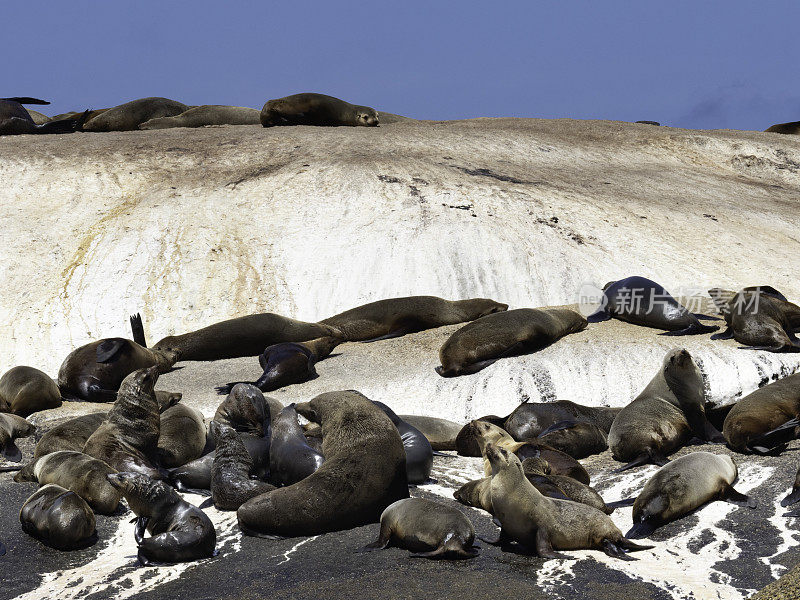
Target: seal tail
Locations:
point(792, 498)
point(26, 100)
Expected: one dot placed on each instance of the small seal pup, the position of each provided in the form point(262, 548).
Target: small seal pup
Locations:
point(231, 485)
point(95, 371)
point(11, 428)
point(395, 317)
point(664, 416)
point(291, 458)
point(182, 436)
point(441, 433)
point(791, 128)
point(578, 439)
point(179, 531)
point(128, 116)
point(530, 419)
point(77, 472)
point(363, 473)
point(419, 454)
point(59, 518)
point(766, 419)
point(426, 528)
point(643, 302)
point(25, 390)
point(544, 524)
point(236, 338)
point(683, 485)
point(128, 438)
point(207, 114)
point(480, 343)
point(289, 362)
point(316, 109)
point(759, 317)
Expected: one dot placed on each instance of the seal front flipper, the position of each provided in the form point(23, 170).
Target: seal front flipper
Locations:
point(544, 547)
point(565, 424)
point(731, 495)
point(140, 529)
point(621, 503)
point(641, 529)
point(615, 551)
point(11, 452)
point(645, 458)
point(108, 350)
point(26, 100)
point(384, 537)
point(723, 335)
point(769, 441)
point(793, 497)
point(137, 330)
point(598, 317)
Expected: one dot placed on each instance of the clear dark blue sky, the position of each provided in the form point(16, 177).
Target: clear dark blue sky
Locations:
point(691, 64)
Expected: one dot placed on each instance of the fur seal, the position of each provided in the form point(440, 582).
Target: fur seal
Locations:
point(179, 531)
point(766, 419)
point(128, 438)
point(231, 485)
point(38, 118)
point(662, 418)
point(11, 428)
point(316, 109)
point(759, 317)
point(426, 528)
point(25, 390)
point(89, 114)
point(395, 317)
point(291, 458)
point(289, 362)
point(467, 438)
point(791, 128)
point(656, 123)
point(70, 435)
point(15, 120)
point(128, 116)
point(247, 410)
point(643, 302)
point(236, 338)
point(683, 485)
point(441, 433)
point(95, 371)
point(578, 439)
point(59, 518)
point(208, 114)
point(182, 436)
point(363, 473)
point(479, 344)
point(419, 454)
point(77, 472)
point(544, 524)
point(530, 419)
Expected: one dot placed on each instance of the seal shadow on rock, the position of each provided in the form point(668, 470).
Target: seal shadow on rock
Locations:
point(363, 473)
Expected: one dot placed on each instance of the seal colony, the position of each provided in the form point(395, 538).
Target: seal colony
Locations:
point(542, 443)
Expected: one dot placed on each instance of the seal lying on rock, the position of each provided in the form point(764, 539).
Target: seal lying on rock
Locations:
point(441, 433)
point(128, 116)
point(180, 532)
point(643, 302)
point(429, 529)
point(578, 439)
point(791, 128)
point(544, 524)
point(664, 416)
point(683, 485)
point(25, 390)
point(481, 343)
point(530, 419)
point(95, 371)
point(316, 109)
point(209, 114)
point(235, 338)
point(363, 473)
point(395, 317)
point(15, 120)
point(59, 518)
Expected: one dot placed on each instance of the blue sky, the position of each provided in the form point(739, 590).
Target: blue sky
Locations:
point(693, 64)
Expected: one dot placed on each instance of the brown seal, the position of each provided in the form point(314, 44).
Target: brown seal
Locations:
point(664, 416)
point(791, 128)
point(479, 344)
point(441, 433)
point(394, 317)
point(59, 518)
point(316, 109)
point(25, 390)
point(530, 419)
point(544, 524)
point(128, 438)
point(95, 371)
point(128, 116)
point(208, 114)
point(578, 439)
point(231, 485)
point(11, 428)
point(182, 436)
point(429, 529)
point(363, 473)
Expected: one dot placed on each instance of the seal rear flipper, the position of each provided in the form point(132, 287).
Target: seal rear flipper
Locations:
point(599, 316)
point(12, 453)
point(544, 547)
point(789, 348)
point(9, 469)
point(468, 370)
point(26, 100)
point(137, 330)
point(645, 458)
point(267, 536)
point(615, 551)
point(565, 424)
point(224, 390)
point(706, 317)
point(793, 497)
point(207, 503)
point(140, 529)
point(621, 503)
point(394, 333)
point(640, 530)
point(731, 495)
point(693, 329)
point(60, 126)
point(444, 454)
point(108, 350)
point(782, 434)
point(723, 335)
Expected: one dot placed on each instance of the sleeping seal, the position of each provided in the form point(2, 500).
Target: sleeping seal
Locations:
point(530, 419)
point(683, 485)
point(59, 518)
point(441, 433)
point(179, 531)
point(25, 390)
point(208, 114)
point(182, 436)
point(429, 529)
point(128, 116)
point(316, 109)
